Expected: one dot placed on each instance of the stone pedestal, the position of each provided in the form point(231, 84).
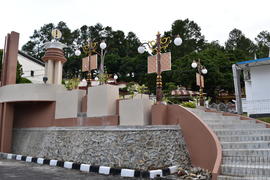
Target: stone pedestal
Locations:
point(101, 100)
point(135, 112)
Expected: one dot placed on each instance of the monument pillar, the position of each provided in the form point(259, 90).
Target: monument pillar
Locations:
point(49, 70)
point(58, 72)
point(54, 59)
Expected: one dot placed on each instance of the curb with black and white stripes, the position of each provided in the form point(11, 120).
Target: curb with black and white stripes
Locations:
point(105, 170)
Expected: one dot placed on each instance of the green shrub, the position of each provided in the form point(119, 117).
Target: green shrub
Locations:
point(189, 104)
point(72, 83)
point(23, 80)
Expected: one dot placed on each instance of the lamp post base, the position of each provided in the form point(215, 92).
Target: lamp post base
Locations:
point(88, 79)
point(159, 94)
point(201, 97)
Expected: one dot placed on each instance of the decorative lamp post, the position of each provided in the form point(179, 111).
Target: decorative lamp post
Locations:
point(156, 46)
point(201, 70)
point(90, 48)
point(102, 46)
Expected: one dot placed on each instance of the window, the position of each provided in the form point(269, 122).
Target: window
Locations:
point(32, 73)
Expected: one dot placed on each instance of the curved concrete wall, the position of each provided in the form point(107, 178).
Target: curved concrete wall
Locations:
point(203, 145)
point(29, 92)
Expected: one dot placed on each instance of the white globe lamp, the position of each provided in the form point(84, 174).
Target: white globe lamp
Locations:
point(194, 65)
point(177, 41)
point(204, 71)
point(141, 49)
point(103, 45)
point(77, 52)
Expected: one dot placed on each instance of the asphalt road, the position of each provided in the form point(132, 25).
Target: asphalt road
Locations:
point(12, 169)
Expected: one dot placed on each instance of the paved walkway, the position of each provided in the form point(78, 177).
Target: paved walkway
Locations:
point(11, 169)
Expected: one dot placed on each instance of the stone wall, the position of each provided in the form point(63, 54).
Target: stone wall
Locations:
point(142, 148)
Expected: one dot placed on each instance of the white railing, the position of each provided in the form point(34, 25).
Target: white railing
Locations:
point(256, 106)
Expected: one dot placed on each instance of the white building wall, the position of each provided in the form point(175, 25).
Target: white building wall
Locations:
point(28, 66)
point(257, 91)
point(248, 88)
point(260, 82)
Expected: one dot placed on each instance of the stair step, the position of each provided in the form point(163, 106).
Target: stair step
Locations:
point(244, 170)
point(246, 152)
point(236, 126)
point(222, 177)
point(244, 138)
point(246, 160)
point(219, 117)
point(230, 121)
point(194, 110)
point(202, 113)
point(233, 132)
point(246, 145)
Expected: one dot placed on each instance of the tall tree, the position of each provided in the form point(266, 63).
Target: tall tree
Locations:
point(241, 46)
point(263, 42)
point(35, 46)
point(190, 32)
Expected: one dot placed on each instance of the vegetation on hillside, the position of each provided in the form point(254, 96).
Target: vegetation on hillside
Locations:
point(123, 59)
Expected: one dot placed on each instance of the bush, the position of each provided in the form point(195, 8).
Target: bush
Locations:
point(23, 80)
point(72, 83)
point(189, 104)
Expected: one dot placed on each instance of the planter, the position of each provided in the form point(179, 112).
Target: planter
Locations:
point(101, 100)
point(135, 112)
point(68, 103)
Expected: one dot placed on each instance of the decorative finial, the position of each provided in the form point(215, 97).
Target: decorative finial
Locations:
point(56, 34)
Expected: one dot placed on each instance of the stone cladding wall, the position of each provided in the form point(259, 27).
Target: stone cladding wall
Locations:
point(139, 147)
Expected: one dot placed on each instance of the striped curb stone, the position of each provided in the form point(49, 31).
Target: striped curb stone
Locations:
point(104, 170)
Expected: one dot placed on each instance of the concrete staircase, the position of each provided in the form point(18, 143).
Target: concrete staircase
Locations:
point(245, 146)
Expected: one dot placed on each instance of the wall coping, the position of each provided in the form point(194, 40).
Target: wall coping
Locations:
point(105, 128)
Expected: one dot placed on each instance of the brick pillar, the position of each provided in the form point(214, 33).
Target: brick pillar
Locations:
point(8, 76)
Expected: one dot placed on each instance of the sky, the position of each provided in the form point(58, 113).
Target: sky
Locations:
point(143, 17)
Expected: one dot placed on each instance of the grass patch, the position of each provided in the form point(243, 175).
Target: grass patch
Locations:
point(265, 119)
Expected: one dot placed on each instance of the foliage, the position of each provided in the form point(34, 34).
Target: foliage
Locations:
point(23, 80)
point(265, 119)
point(103, 78)
point(72, 83)
point(134, 88)
point(122, 57)
point(189, 104)
point(262, 39)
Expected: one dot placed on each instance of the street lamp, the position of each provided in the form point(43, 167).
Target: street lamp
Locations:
point(201, 70)
point(90, 48)
point(156, 46)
